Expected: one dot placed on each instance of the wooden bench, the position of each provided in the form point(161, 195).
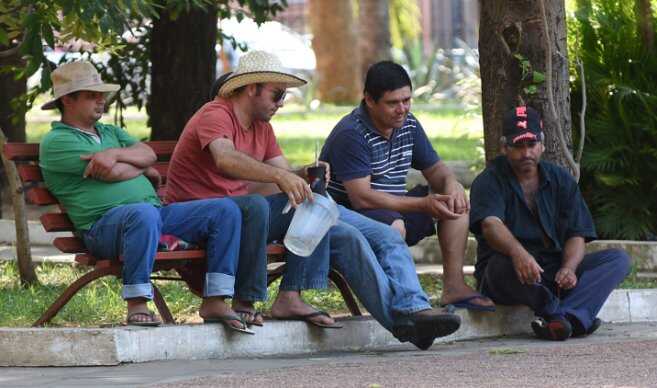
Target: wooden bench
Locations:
point(189, 264)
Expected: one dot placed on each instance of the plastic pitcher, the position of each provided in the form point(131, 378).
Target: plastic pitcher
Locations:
point(309, 224)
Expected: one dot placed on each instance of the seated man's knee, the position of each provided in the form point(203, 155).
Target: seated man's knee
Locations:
point(143, 213)
point(254, 206)
point(399, 226)
point(621, 258)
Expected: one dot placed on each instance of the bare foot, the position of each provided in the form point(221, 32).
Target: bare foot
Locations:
point(289, 303)
point(463, 291)
point(247, 311)
point(215, 307)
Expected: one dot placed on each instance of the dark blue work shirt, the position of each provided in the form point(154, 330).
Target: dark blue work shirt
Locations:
point(562, 212)
point(355, 149)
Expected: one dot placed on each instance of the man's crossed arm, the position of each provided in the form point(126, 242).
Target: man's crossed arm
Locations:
point(119, 164)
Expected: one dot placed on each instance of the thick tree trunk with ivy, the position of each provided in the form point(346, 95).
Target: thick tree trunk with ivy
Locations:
point(373, 32)
point(336, 49)
point(183, 68)
point(12, 122)
point(512, 34)
point(646, 27)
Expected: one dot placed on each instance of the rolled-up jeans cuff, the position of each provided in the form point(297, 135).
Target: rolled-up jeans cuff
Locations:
point(406, 311)
point(143, 290)
point(218, 284)
point(305, 285)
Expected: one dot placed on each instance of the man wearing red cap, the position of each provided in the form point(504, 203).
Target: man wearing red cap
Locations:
point(531, 224)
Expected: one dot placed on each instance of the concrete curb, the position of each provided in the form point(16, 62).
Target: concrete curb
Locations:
point(112, 346)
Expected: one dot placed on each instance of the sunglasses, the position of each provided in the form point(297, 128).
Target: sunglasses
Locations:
point(279, 95)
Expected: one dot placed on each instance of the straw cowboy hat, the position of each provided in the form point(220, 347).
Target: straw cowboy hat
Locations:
point(259, 67)
point(75, 76)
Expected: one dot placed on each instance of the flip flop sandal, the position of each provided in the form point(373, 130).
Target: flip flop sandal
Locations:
point(224, 320)
point(307, 318)
point(246, 313)
point(467, 303)
point(152, 321)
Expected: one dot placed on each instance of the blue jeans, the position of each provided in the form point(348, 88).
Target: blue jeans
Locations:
point(378, 266)
point(301, 273)
point(133, 231)
point(251, 279)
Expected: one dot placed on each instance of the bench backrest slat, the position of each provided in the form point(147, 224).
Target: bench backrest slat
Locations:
point(41, 196)
point(56, 222)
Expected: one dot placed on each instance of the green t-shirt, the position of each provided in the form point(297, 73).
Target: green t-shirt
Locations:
point(87, 199)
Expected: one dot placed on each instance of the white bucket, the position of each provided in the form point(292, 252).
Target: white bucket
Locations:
point(309, 224)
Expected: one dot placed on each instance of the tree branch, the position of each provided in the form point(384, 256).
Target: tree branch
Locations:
point(10, 52)
point(548, 85)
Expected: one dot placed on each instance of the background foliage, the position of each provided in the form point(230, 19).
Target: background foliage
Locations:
point(619, 164)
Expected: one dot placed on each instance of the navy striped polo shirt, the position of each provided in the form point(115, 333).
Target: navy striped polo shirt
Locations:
point(354, 149)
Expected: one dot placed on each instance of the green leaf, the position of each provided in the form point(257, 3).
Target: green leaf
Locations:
point(4, 38)
point(538, 77)
point(48, 36)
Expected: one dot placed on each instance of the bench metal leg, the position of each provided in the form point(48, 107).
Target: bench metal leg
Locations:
point(73, 289)
point(274, 274)
point(347, 295)
point(162, 307)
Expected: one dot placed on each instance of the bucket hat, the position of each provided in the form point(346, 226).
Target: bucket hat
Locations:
point(75, 76)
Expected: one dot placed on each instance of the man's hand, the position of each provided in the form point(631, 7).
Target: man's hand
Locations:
point(437, 206)
point(527, 269)
point(100, 164)
point(154, 176)
point(566, 278)
point(458, 202)
point(294, 186)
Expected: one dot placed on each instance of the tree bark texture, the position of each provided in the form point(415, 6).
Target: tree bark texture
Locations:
point(646, 27)
point(183, 61)
point(336, 49)
point(12, 122)
point(23, 254)
point(510, 27)
point(373, 32)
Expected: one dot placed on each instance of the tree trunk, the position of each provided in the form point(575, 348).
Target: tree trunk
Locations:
point(374, 33)
point(510, 27)
point(646, 27)
point(12, 121)
point(183, 61)
point(335, 45)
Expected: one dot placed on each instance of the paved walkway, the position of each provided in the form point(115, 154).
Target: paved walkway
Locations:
point(617, 355)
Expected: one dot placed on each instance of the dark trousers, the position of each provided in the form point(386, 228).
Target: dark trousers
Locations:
point(597, 276)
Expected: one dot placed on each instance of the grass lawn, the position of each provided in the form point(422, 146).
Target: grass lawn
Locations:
point(454, 134)
point(100, 303)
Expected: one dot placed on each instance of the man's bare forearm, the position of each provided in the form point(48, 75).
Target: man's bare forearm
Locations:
point(500, 238)
point(573, 253)
point(440, 178)
point(373, 199)
point(139, 155)
point(238, 165)
point(121, 172)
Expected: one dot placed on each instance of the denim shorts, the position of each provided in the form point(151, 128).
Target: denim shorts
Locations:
point(418, 225)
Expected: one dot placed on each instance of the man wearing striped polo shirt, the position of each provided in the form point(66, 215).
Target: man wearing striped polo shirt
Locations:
point(370, 152)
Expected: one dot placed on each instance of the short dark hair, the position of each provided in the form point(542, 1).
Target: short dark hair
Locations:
point(58, 102)
point(383, 77)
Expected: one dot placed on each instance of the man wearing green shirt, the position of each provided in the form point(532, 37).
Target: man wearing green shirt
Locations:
point(100, 174)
